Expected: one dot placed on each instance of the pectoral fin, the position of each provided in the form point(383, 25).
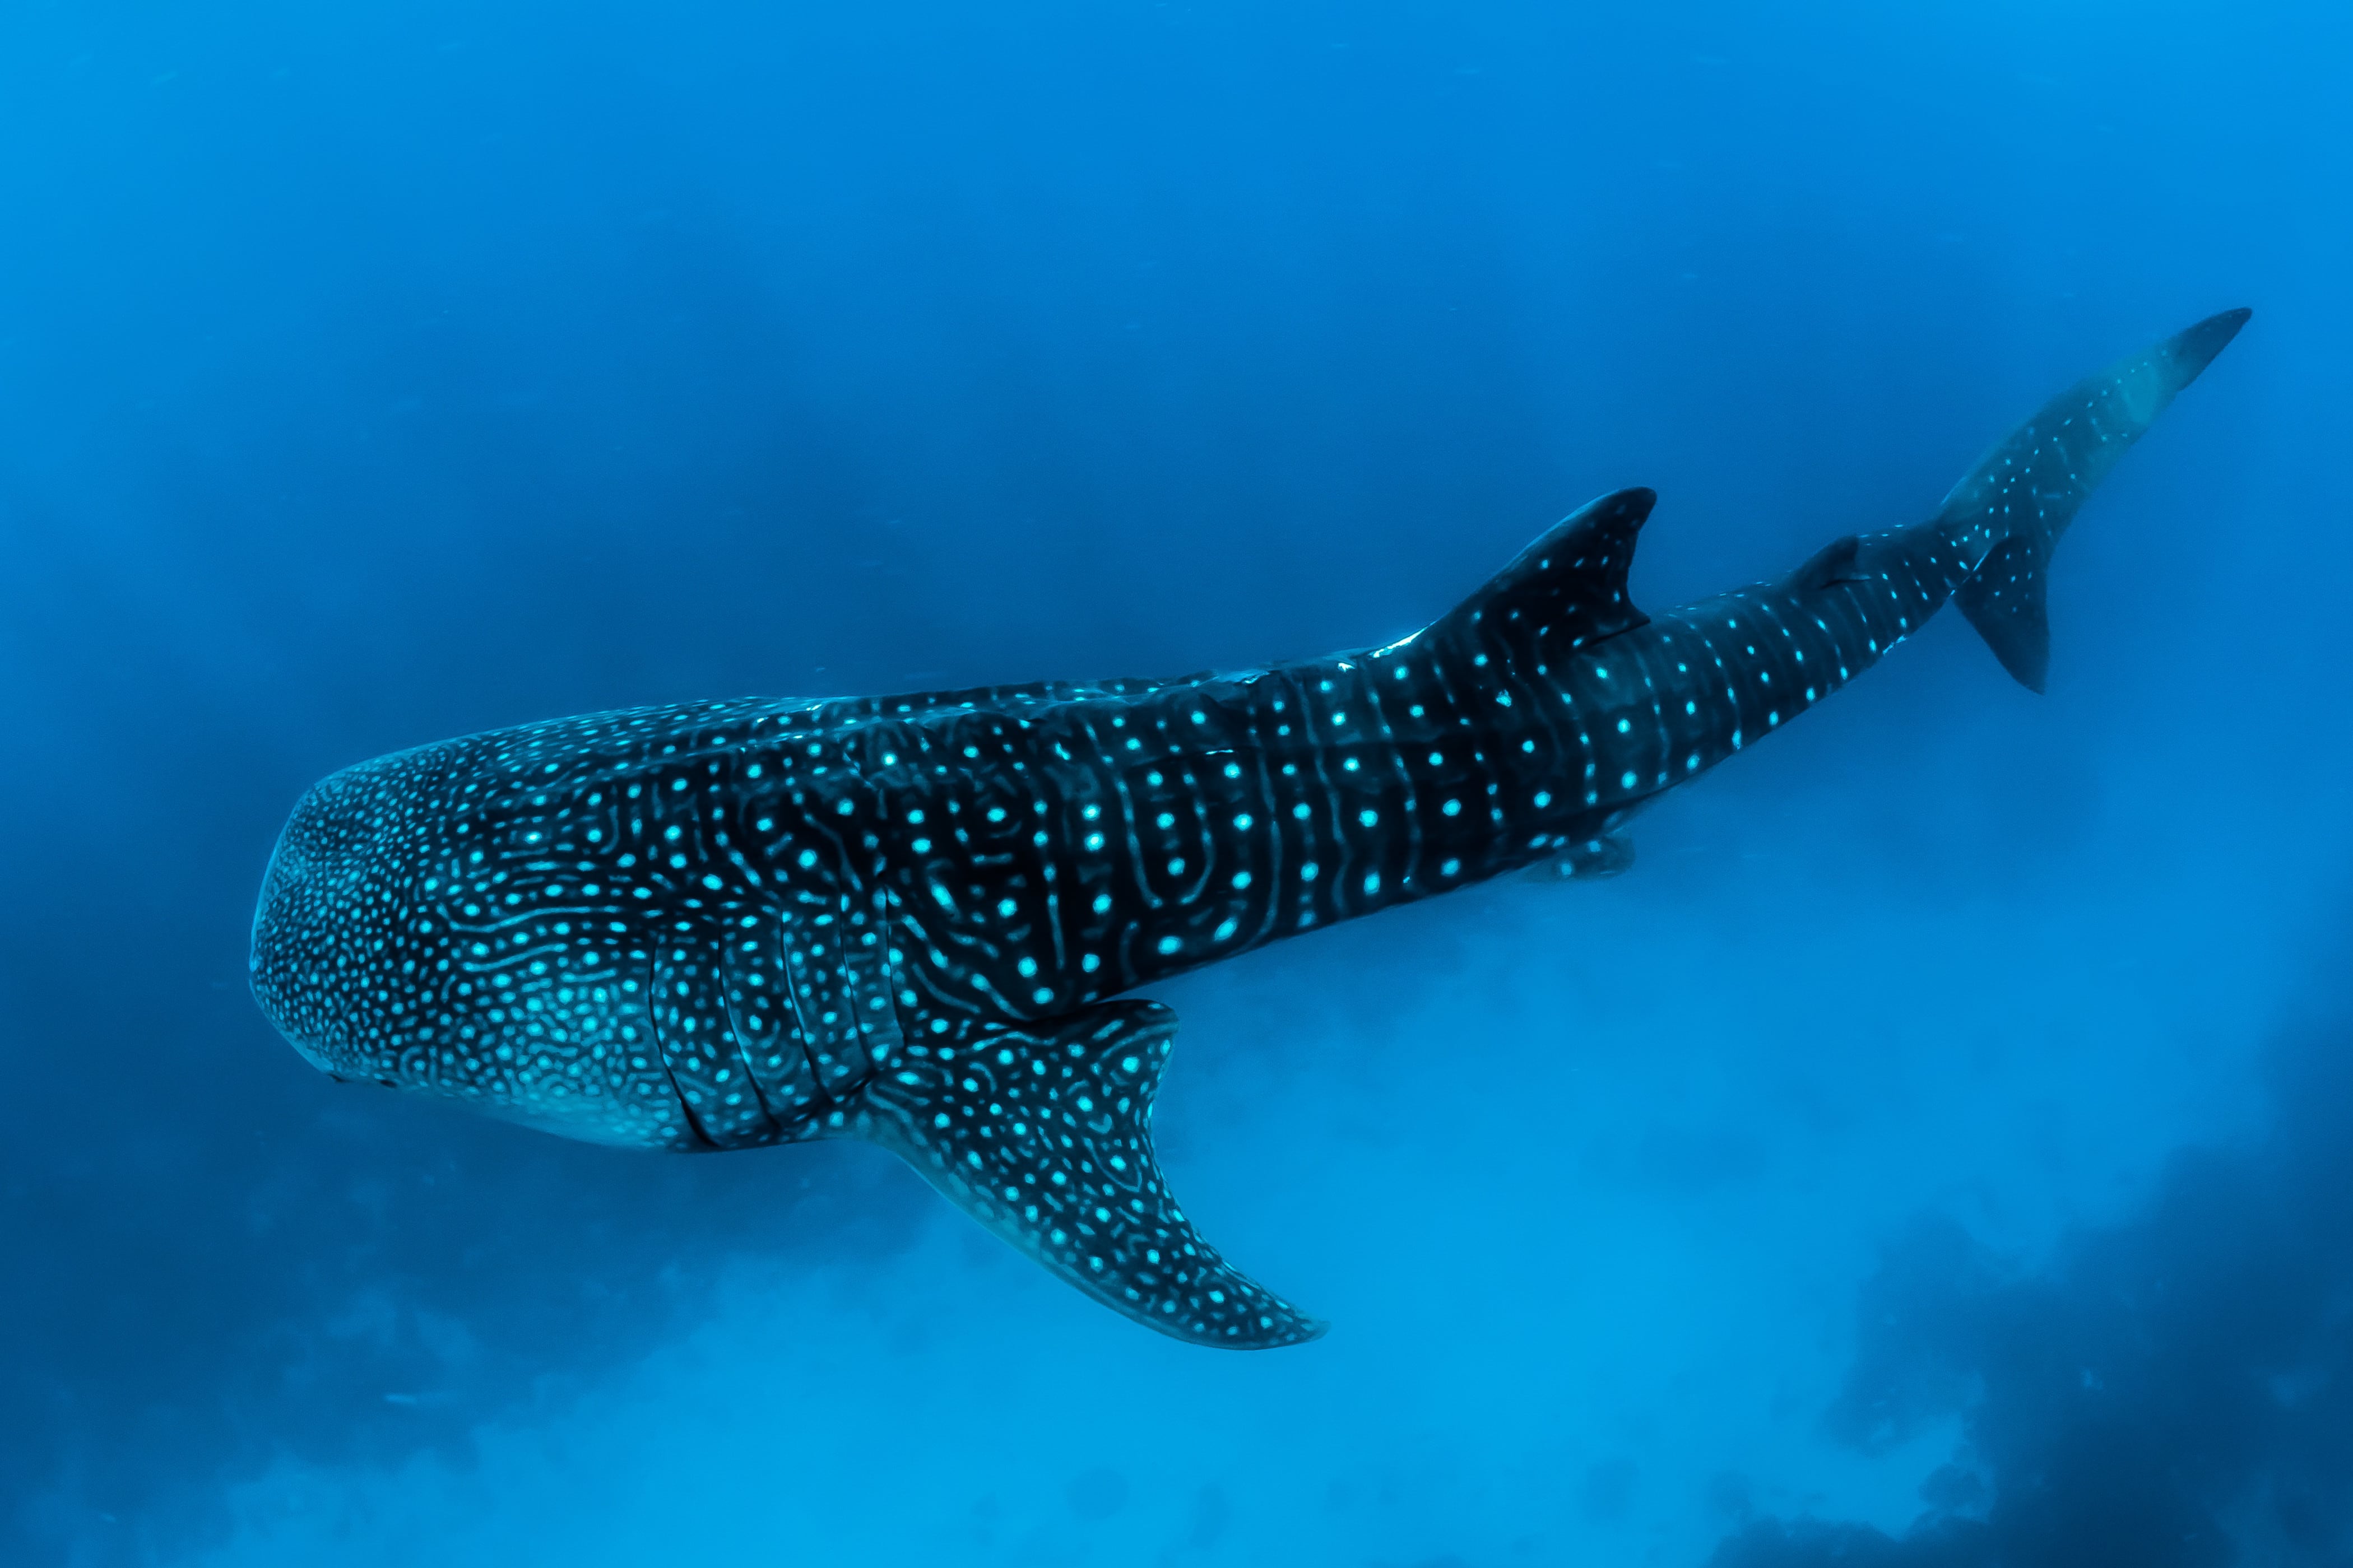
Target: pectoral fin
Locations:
point(1043, 1134)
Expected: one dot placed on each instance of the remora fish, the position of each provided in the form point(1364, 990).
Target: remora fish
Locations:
point(907, 918)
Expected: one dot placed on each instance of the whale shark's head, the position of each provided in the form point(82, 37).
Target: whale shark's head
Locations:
point(337, 889)
point(389, 947)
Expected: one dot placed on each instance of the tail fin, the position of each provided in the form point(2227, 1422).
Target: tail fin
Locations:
point(2029, 487)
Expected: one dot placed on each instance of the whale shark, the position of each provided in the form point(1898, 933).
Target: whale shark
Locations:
point(915, 919)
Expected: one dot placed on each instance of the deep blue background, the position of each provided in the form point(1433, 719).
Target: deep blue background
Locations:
point(375, 373)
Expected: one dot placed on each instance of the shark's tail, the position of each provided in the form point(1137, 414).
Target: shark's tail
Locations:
point(2027, 488)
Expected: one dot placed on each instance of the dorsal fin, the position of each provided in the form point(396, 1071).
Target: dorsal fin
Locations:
point(1571, 583)
point(1044, 1133)
point(1832, 563)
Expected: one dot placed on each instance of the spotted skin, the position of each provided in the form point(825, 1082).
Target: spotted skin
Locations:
point(911, 919)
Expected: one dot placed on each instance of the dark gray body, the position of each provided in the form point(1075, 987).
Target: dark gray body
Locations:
point(905, 918)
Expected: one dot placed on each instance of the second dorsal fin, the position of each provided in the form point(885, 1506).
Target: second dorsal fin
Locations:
point(1570, 585)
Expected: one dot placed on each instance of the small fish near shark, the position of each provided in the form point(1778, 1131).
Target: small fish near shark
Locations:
point(912, 918)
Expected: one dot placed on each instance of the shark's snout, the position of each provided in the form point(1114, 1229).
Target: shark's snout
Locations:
point(290, 964)
point(327, 898)
point(408, 934)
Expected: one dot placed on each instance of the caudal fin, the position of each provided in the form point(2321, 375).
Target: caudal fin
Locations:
point(2027, 488)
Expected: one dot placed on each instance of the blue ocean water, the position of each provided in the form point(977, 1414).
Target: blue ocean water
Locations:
point(1936, 1151)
